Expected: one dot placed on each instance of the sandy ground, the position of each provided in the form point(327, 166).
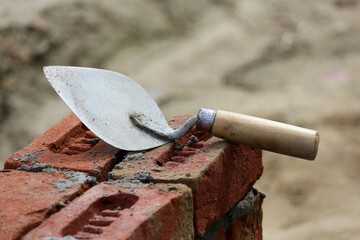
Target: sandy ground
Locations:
point(290, 61)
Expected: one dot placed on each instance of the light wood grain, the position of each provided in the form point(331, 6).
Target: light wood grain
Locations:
point(266, 134)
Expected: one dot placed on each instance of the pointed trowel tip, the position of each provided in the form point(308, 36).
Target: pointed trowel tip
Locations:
point(51, 68)
point(52, 72)
point(48, 70)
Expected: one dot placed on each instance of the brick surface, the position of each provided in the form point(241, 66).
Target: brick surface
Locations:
point(26, 199)
point(158, 211)
point(68, 145)
point(218, 172)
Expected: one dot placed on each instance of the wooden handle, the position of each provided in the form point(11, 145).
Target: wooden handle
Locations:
point(266, 134)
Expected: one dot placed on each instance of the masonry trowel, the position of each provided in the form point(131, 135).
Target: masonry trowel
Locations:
point(120, 112)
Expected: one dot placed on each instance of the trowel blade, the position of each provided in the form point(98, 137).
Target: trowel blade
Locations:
point(103, 100)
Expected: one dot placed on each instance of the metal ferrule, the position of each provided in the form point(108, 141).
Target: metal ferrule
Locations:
point(205, 119)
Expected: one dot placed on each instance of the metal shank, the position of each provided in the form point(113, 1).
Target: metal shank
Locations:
point(152, 127)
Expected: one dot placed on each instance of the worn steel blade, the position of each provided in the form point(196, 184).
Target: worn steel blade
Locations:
point(103, 101)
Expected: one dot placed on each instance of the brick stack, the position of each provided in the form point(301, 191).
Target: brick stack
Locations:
point(69, 184)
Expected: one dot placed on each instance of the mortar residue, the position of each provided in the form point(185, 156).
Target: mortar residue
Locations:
point(27, 157)
point(34, 168)
point(128, 183)
point(241, 208)
point(74, 178)
point(192, 139)
point(133, 156)
point(140, 180)
point(144, 177)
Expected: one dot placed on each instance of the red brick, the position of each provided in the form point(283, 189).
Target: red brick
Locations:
point(68, 145)
point(159, 211)
point(26, 199)
point(218, 172)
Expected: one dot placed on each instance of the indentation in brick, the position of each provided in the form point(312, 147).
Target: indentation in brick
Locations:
point(76, 140)
point(187, 146)
point(69, 145)
point(100, 214)
point(162, 211)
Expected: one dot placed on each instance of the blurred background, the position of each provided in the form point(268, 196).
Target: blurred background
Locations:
point(292, 61)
